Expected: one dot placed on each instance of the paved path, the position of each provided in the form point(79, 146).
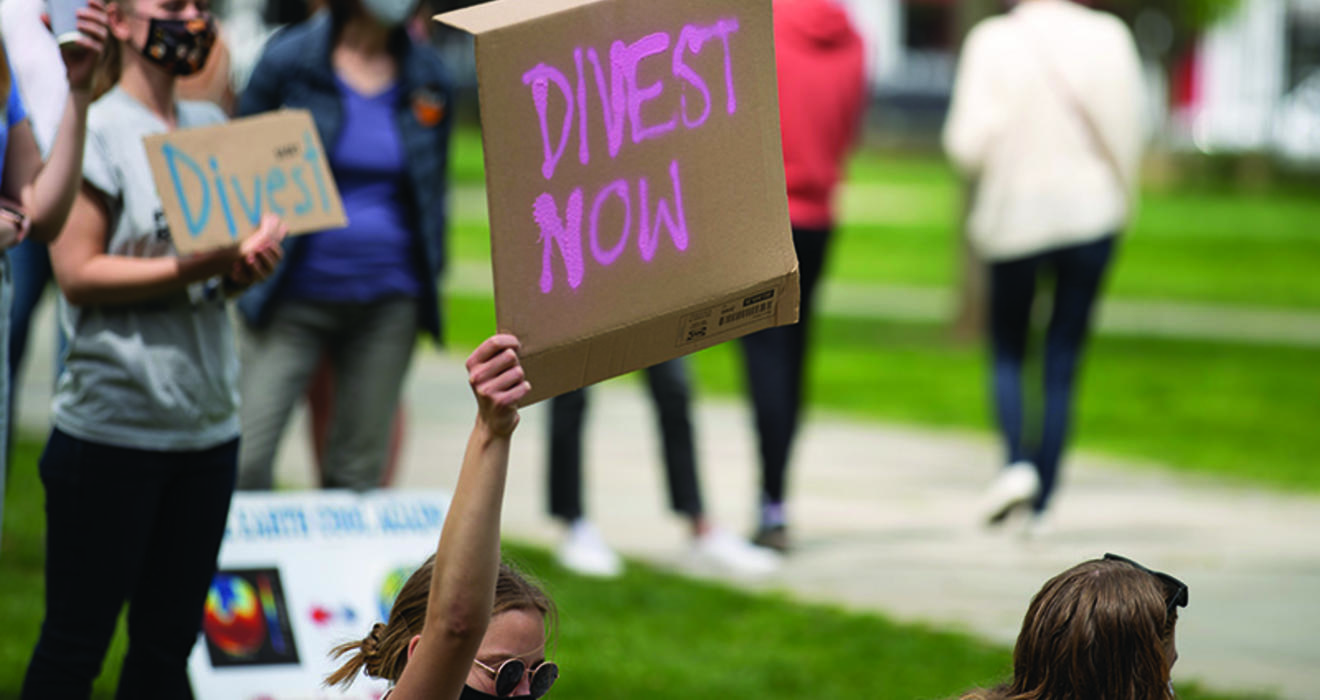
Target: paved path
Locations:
point(882, 516)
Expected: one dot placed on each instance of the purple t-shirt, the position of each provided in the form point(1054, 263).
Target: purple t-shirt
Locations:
point(372, 257)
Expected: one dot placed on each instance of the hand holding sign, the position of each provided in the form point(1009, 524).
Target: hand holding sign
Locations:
point(497, 380)
point(260, 253)
point(635, 179)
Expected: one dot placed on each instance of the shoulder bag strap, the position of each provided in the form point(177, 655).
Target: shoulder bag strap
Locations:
point(1061, 86)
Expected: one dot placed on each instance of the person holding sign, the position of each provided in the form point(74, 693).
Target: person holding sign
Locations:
point(141, 462)
point(464, 626)
point(359, 294)
point(34, 196)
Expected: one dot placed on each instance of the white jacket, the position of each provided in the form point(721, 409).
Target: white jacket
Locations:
point(1042, 182)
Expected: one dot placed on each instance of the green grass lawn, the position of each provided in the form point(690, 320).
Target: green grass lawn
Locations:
point(1240, 411)
point(651, 633)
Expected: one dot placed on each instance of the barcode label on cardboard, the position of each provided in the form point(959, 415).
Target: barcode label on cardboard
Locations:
point(726, 317)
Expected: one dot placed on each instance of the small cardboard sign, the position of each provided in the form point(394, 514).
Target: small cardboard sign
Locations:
point(216, 182)
point(635, 179)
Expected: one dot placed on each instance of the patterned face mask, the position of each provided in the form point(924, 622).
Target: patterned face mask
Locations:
point(180, 46)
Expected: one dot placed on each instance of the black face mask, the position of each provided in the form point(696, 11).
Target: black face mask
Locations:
point(470, 693)
point(180, 46)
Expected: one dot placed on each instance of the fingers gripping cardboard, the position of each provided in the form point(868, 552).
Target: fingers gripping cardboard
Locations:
point(635, 179)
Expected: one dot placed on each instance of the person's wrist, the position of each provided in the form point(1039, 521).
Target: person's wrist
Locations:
point(487, 432)
point(81, 94)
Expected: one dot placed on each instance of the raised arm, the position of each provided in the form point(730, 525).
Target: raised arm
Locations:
point(46, 191)
point(468, 554)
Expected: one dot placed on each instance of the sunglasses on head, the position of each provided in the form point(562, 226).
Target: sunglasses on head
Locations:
point(511, 671)
point(1175, 590)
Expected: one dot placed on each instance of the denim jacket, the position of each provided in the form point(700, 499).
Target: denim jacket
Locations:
point(295, 72)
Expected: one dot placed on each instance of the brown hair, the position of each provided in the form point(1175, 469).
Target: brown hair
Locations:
point(384, 651)
point(5, 85)
point(1098, 631)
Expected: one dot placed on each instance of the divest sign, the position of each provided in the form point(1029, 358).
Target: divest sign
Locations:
point(635, 179)
point(299, 575)
point(216, 182)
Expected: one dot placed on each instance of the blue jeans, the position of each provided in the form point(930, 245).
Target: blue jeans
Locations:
point(1077, 273)
point(6, 410)
point(28, 267)
point(30, 262)
point(135, 526)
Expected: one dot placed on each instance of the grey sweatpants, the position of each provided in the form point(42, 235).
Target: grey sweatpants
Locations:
point(369, 346)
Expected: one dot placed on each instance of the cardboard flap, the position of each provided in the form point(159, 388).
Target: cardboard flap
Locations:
point(498, 14)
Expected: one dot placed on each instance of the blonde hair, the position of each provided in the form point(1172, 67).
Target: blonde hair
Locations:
point(383, 653)
point(1101, 630)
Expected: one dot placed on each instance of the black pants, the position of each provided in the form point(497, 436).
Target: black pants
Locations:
point(775, 360)
point(133, 526)
point(668, 382)
point(1077, 272)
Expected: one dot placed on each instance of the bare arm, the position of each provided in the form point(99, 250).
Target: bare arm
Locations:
point(46, 191)
point(468, 554)
point(89, 276)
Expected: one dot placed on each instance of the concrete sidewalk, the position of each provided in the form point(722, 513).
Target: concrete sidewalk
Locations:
point(883, 520)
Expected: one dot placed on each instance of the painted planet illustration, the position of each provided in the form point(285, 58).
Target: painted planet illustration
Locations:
point(233, 619)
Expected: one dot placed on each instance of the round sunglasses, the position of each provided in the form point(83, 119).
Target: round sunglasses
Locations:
point(510, 673)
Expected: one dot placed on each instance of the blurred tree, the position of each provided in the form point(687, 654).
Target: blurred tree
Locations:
point(1167, 29)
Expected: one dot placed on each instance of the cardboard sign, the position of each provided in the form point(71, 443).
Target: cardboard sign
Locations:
point(635, 179)
point(216, 182)
point(300, 574)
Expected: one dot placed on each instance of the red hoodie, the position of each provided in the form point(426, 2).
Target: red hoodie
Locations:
point(822, 94)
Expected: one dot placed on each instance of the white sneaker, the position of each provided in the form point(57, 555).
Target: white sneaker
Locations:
point(1017, 485)
point(584, 552)
point(724, 551)
point(1038, 527)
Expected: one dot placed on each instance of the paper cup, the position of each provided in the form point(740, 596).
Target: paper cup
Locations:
point(64, 19)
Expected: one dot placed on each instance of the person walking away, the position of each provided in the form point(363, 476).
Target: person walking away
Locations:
point(1046, 119)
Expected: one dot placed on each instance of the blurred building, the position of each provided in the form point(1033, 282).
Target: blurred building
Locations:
point(1251, 83)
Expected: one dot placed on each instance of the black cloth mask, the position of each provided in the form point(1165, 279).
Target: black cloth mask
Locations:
point(180, 46)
